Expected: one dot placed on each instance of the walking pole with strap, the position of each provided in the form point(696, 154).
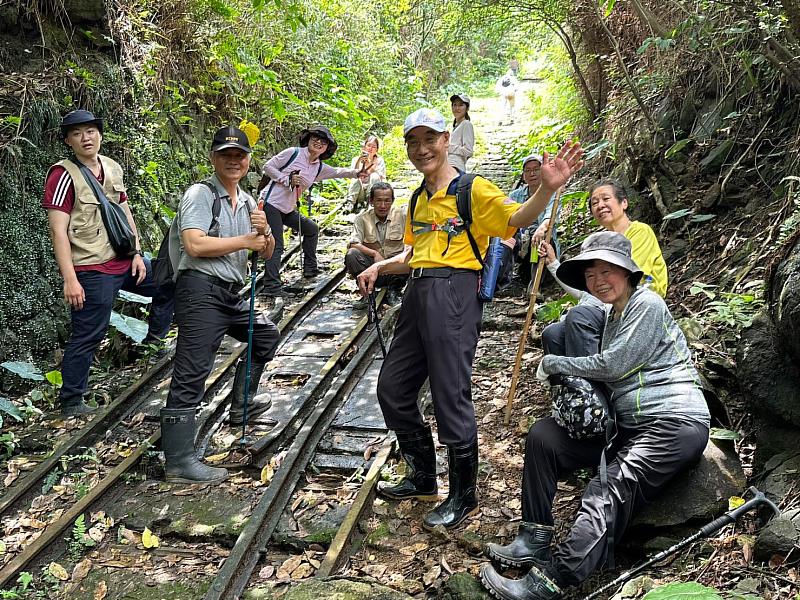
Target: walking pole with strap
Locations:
point(729, 517)
point(372, 318)
point(249, 364)
point(297, 192)
point(529, 316)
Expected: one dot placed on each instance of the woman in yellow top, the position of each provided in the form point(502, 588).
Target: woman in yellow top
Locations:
point(608, 205)
point(578, 334)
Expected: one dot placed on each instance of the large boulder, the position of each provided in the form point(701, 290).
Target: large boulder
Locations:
point(784, 300)
point(700, 493)
point(93, 11)
point(767, 377)
point(780, 536)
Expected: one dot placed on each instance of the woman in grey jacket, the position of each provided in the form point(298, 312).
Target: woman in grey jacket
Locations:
point(662, 428)
point(462, 139)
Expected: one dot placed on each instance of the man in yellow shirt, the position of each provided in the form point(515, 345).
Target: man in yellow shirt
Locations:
point(439, 323)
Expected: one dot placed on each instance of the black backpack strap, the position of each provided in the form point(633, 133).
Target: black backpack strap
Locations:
point(412, 204)
point(464, 208)
point(213, 230)
point(271, 184)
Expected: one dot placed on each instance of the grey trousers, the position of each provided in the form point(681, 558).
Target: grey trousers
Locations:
point(642, 461)
point(435, 337)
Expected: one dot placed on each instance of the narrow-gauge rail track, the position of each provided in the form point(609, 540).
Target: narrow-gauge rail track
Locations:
point(125, 404)
point(151, 387)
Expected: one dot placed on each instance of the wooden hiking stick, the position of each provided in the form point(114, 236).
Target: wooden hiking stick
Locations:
point(529, 316)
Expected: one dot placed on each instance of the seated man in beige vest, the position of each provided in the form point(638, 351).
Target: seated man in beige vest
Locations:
point(92, 271)
point(378, 235)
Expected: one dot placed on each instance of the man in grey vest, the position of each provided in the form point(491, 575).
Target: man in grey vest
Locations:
point(212, 269)
point(377, 235)
point(92, 272)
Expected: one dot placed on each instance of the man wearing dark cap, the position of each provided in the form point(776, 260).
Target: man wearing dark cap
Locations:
point(92, 272)
point(212, 269)
point(437, 331)
point(288, 175)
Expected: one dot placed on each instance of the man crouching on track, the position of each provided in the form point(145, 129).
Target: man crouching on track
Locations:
point(211, 271)
point(437, 330)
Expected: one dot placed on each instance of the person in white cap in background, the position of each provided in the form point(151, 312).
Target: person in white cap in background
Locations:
point(530, 238)
point(462, 138)
point(437, 330)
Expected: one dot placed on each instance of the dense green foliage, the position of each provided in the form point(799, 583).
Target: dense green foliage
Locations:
point(164, 74)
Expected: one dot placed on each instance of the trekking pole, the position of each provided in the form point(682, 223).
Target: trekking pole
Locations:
point(297, 193)
point(531, 305)
point(715, 525)
point(372, 318)
point(249, 364)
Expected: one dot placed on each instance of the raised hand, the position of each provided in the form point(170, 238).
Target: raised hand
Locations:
point(557, 170)
point(258, 219)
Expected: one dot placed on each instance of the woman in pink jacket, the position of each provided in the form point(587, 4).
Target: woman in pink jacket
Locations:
point(291, 172)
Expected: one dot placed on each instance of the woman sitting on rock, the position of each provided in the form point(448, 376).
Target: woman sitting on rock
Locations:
point(661, 418)
point(373, 167)
point(578, 334)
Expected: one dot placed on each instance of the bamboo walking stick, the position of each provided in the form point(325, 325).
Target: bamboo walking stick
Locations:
point(529, 316)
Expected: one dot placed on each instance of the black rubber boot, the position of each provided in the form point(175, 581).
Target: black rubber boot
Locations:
point(534, 586)
point(77, 410)
point(254, 407)
point(418, 451)
point(462, 500)
point(530, 547)
point(177, 442)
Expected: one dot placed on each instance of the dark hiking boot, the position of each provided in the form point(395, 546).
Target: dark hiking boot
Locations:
point(310, 273)
point(177, 441)
point(77, 410)
point(255, 406)
point(462, 500)
point(416, 448)
point(534, 586)
point(530, 547)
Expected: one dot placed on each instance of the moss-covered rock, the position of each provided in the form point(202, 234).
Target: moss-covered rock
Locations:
point(463, 586)
point(329, 589)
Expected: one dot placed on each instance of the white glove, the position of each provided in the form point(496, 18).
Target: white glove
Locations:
point(541, 375)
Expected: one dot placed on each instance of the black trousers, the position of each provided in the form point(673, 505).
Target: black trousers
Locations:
point(642, 461)
point(356, 261)
point(205, 313)
point(294, 221)
point(578, 334)
point(435, 337)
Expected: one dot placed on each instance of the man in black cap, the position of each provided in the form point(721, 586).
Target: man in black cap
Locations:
point(287, 175)
point(212, 269)
point(92, 272)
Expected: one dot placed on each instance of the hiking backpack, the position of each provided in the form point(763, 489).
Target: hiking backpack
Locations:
point(165, 265)
point(454, 226)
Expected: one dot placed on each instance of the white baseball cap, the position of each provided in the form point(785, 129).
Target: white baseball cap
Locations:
point(530, 157)
point(425, 117)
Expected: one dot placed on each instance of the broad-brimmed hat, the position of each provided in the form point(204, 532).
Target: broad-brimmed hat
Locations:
point(79, 117)
point(230, 137)
point(425, 117)
point(463, 97)
point(530, 157)
point(321, 132)
point(609, 246)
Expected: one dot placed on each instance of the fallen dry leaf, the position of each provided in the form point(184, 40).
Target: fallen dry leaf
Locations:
point(267, 473)
point(81, 570)
point(216, 458)
point(266, 572)
point(432, 575)
point(57, 571)
point(303, 571)
point(100, 590)
point(413, 549)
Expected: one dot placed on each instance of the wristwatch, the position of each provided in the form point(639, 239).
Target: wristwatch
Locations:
point(140, 253)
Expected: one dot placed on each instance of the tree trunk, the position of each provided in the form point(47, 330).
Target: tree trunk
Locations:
point(649, 19)
point(583, 86)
